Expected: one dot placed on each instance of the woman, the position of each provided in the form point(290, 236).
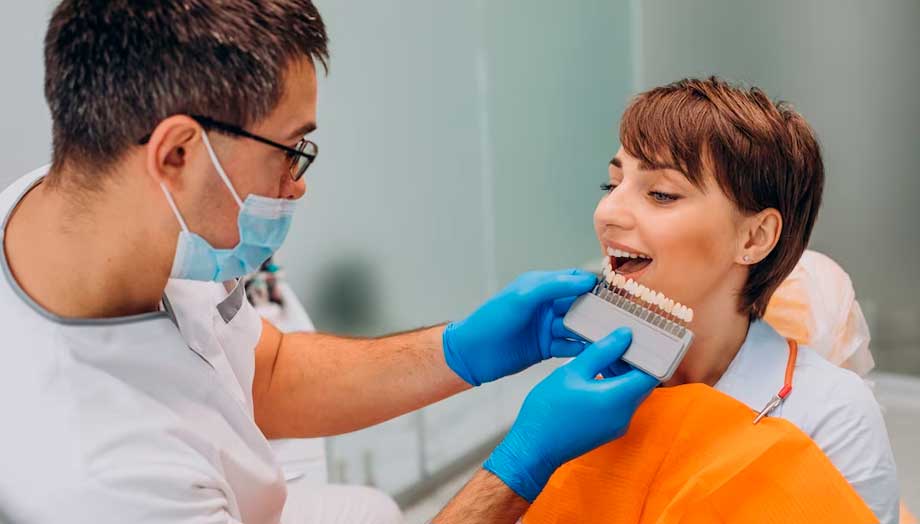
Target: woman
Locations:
point(711, 201)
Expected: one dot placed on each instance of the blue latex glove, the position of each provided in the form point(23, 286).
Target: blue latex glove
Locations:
point(517, 328)
point(568, 414)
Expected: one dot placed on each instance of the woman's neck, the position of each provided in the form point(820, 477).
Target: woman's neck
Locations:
point(719, 332)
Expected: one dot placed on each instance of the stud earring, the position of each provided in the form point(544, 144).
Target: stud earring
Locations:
point(747, 258)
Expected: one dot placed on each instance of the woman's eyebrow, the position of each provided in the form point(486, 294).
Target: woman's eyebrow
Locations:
point(643, 165)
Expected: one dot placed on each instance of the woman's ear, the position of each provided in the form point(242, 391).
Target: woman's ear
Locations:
point(760, 234)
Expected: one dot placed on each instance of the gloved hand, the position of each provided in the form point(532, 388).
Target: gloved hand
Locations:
point(568, 414)
point(515, 329)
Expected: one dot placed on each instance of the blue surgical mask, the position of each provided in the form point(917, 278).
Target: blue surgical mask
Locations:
point(263, 223)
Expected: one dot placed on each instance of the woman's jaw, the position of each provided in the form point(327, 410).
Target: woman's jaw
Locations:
point(719, 327)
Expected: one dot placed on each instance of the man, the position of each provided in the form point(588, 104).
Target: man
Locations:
point(179, 150)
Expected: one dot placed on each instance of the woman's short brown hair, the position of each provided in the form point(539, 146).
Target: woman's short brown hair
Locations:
point(762, 155)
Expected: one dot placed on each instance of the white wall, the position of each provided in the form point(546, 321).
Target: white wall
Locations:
point(852, 68)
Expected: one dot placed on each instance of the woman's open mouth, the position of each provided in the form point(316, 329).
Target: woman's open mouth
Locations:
point(627, 263)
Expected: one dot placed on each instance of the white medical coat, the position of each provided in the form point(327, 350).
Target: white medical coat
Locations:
point(124, 420)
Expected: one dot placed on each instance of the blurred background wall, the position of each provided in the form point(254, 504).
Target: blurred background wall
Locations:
point(464, 142)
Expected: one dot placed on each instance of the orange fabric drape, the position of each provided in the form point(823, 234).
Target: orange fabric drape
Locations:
point(692, 455)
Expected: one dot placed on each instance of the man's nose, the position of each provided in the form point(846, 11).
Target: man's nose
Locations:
point(292, 190)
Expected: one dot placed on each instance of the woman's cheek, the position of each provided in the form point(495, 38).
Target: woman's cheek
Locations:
point(685, 248)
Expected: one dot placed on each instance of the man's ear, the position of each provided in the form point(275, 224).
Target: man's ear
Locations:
point(759, 234)
point(168, 149)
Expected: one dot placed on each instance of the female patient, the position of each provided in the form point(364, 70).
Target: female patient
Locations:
point(711, 200)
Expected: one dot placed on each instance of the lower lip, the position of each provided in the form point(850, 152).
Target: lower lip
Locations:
point(636, 274)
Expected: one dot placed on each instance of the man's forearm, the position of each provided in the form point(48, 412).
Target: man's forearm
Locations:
point(314, 384)
point(484, 499)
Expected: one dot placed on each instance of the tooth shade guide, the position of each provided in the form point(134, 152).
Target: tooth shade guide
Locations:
point(647, 304)
point(660, 340)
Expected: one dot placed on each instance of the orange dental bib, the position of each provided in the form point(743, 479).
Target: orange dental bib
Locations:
point(692, 455)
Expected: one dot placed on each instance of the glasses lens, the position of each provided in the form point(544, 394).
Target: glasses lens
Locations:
point(300, 163)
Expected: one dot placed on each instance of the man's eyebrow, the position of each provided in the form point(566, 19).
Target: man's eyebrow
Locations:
point(616, 162)
point(303, 130)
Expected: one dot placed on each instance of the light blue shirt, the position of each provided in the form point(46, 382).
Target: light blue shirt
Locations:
point(832, 405)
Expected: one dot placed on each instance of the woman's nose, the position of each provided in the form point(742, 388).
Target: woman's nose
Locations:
point(614, 210)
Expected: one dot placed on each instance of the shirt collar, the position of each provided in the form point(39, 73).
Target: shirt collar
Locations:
point(757, 371)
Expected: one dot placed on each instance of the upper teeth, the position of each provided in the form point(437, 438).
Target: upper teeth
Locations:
point(613, 252)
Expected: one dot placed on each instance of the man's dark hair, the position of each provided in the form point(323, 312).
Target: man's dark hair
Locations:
point(115, 68)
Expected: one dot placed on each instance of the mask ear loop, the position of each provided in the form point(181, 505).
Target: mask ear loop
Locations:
point(172, 204)
point(220, 169)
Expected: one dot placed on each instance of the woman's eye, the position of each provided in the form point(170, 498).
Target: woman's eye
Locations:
point(663, 198)
point(608, 187)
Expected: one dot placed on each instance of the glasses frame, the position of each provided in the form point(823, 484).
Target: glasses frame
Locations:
point(292, 152)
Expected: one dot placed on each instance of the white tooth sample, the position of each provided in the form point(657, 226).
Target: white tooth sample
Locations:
point(620, 280)
point(631, 286)
point(607, 269)
point(609, 277)
point(659, 300)
point(669, 307)
point(683, 312)
point(689, 315)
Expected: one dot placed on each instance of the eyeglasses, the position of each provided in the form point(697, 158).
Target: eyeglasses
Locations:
point(301, 156)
